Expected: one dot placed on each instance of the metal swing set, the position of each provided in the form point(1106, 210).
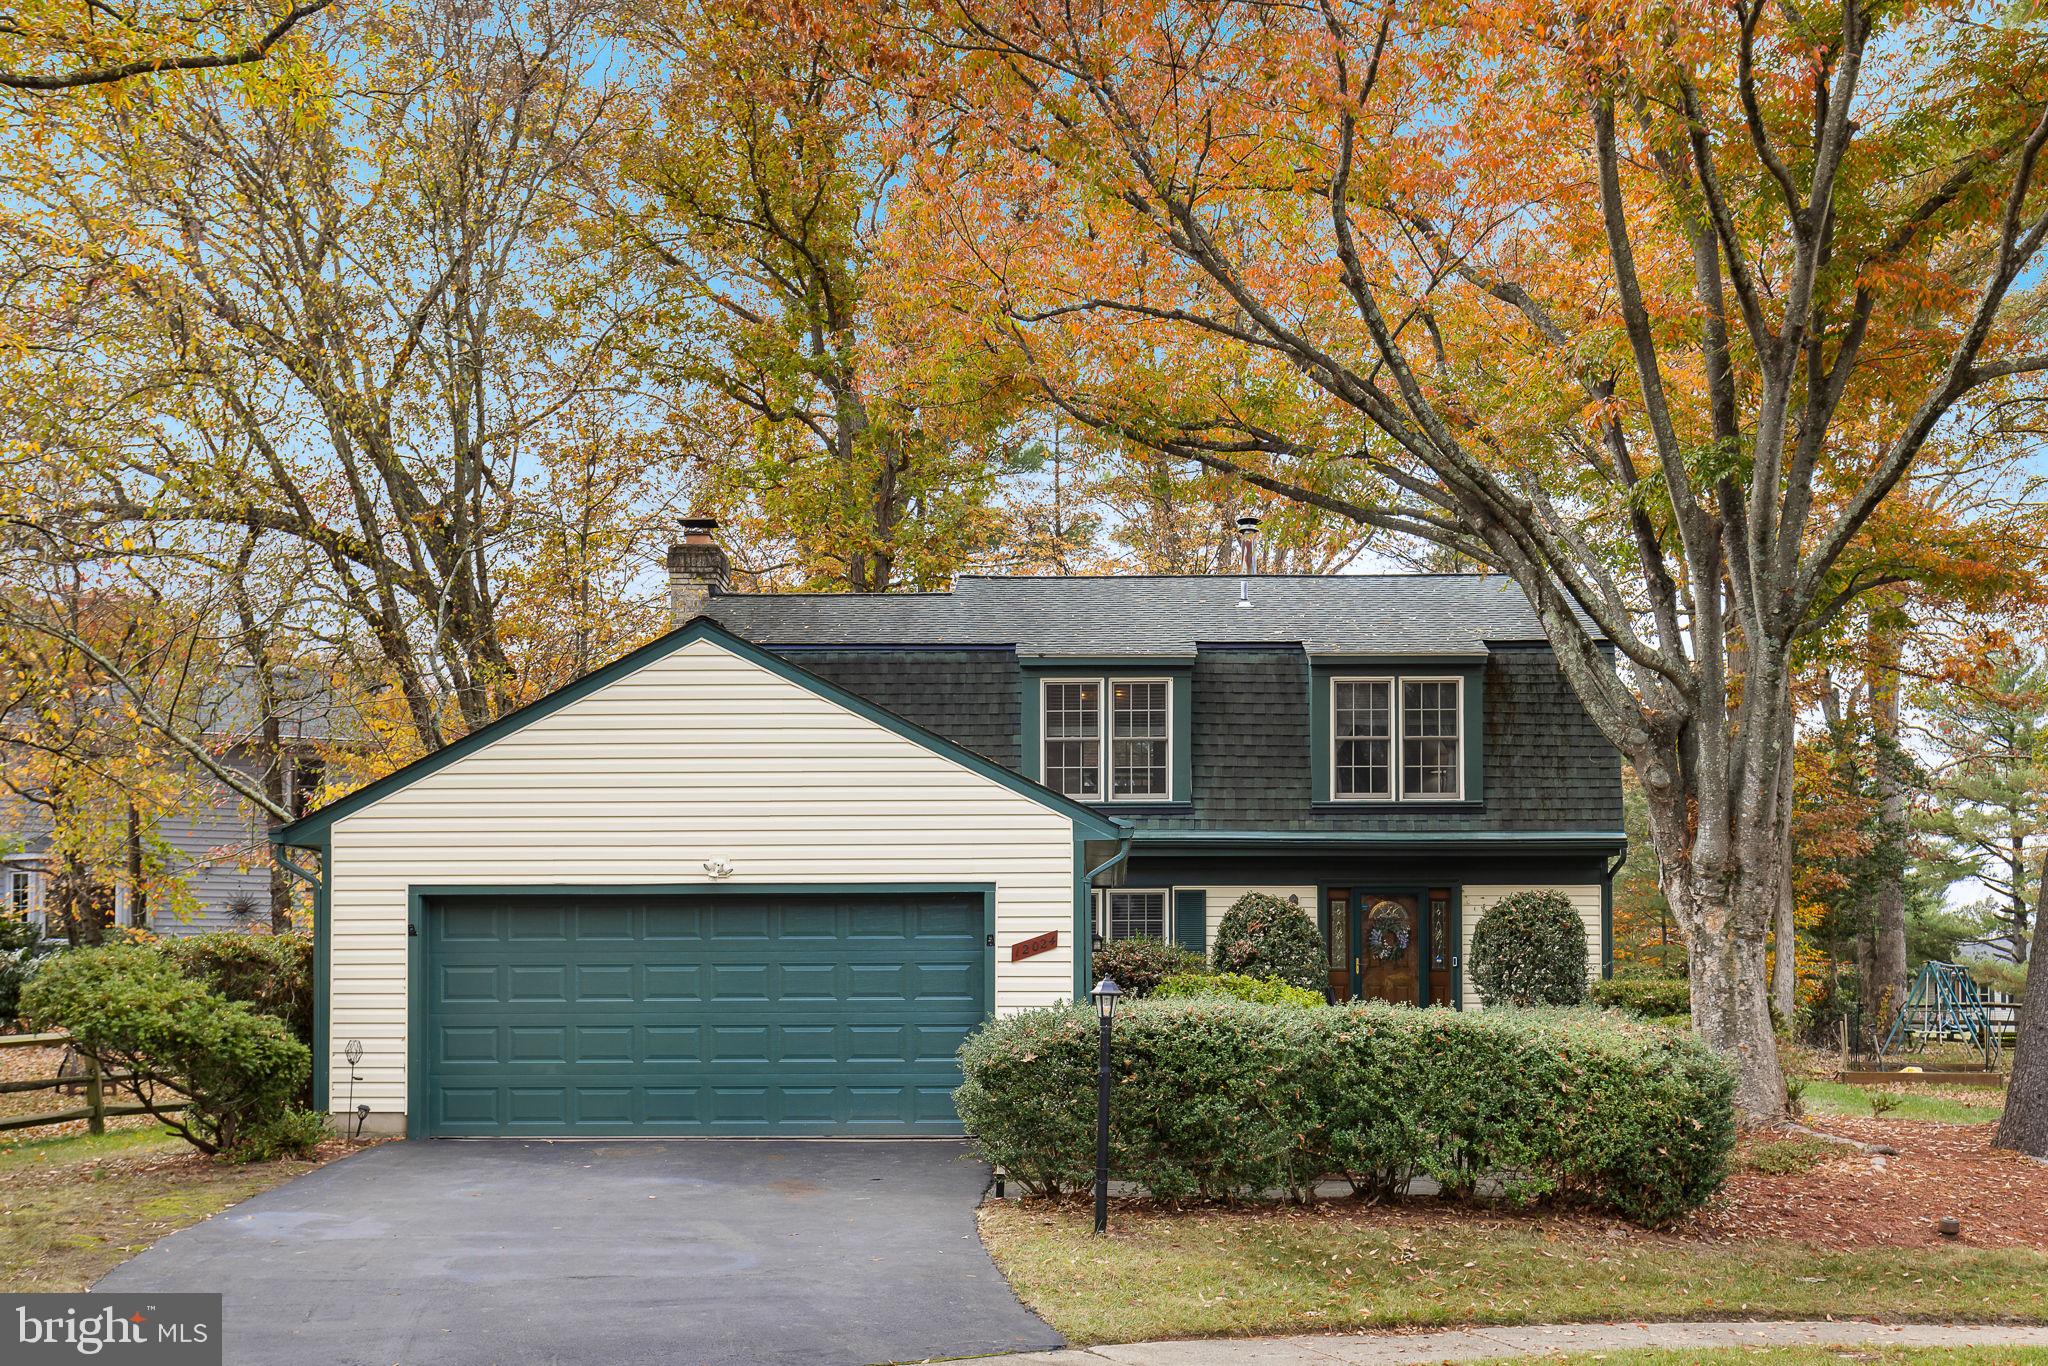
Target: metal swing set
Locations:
point(1945, 1003)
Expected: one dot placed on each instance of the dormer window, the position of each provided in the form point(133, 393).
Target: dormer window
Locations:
point(1381, 750)
point(1136, 763)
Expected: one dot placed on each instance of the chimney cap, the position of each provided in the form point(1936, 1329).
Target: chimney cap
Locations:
point(1248, 523)
point(699, 530)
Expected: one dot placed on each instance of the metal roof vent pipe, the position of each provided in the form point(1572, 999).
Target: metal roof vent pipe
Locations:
point(1247, 540)
point(697, 568)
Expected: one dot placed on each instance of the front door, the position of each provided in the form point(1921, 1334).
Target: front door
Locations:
point(1389, 947)
point(1375, 945)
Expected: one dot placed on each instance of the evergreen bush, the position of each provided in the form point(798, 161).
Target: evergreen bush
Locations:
point(1217, 1098)
point(1529, 949)
point(1263, 936)
point(1138, 966)
point(1265, 991)
point(234, 1069)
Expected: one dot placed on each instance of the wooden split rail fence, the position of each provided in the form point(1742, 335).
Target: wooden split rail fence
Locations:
point(94, 1112)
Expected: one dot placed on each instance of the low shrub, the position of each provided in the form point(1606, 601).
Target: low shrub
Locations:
point(1217, 1098)
point(295, 1133)
point(1649, 997)
point(1263, 936)
point(272, 973)
point(1264, 991)
point(22, 947)
point(1529, 949)
point(1138, 966)
point(235, 1069)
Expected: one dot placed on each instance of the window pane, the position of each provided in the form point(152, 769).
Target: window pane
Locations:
point(1073, 738)
point(1362, 723)
point(1137, 915)
point(1138, 740)
point(1429, 739)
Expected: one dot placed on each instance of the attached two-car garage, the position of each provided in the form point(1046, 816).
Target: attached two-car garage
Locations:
point(700, 892)
point(723, 1013)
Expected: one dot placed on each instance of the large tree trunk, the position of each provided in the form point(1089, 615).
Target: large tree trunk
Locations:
point(2024, 1127)
point(1785, 926)
point(1885, 987)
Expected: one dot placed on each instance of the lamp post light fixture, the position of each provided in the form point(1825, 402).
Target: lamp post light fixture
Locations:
point(1105, 996)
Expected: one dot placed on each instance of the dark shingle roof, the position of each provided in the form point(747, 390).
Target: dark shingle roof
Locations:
point(1154, 617)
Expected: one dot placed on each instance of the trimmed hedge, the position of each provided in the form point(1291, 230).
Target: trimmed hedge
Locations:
point(1263, 991)
point(236, 1070)
point(1653, 998)
point(1218, 1099)
point(1138, 966)
point(1529, 949)
point(1263, 936)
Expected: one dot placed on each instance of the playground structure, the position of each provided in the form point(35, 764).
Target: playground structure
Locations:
point(1945, 1003)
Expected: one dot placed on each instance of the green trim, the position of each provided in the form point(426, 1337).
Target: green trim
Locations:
point(323, 940)
point(308, 830)
point(1457, 946)
point(1323, 793)
point(1179, 675)
point(418, 894)
point(1191, 919)
point(1510, 840)
point(1084, 888)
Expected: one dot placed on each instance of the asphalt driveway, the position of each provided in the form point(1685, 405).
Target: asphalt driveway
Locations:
point(593, 1253)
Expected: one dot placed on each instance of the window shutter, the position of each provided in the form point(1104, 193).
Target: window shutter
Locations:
point(1191, 920)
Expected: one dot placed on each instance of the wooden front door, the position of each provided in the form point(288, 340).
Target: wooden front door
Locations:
point(1389, 943)
point(1375, 942)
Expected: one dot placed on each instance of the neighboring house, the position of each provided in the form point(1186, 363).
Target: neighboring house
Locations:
point(220, 840)
point(765, 873)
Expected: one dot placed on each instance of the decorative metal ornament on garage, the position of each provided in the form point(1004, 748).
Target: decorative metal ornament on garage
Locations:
point(1387, 932)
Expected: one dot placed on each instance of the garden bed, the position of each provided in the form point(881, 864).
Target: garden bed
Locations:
point(1803, 1228)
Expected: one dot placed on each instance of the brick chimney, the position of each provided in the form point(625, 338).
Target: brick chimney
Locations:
point(697, 568)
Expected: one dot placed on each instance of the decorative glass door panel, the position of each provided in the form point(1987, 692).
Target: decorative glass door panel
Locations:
point(1443, 947)
point(1337, 942)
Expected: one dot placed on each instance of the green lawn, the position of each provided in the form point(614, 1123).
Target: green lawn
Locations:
point(72, 1208)
point(1233, 1273)
point(1815, 1356)
point(1945, 1107)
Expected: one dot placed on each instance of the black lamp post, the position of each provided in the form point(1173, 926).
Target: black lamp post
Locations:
point(1105, 995)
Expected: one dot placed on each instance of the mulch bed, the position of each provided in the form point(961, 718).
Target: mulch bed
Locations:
point(1866, 1200)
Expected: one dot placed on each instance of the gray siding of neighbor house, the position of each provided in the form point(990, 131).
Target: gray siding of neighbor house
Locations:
point(222, 851)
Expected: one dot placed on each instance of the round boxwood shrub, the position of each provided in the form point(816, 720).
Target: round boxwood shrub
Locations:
point(1138, 966)
point(1264, 991)
point(234, 1069)
point(1529, 949)
point(1263, 936)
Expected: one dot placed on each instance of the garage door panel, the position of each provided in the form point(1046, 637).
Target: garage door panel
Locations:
point(813, 1014)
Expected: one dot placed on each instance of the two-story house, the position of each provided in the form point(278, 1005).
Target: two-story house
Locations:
point(765, 873)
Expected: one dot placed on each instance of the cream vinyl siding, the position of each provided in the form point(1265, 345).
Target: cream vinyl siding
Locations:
point(699, 755)
point(1585, 900)
point(1221, 899)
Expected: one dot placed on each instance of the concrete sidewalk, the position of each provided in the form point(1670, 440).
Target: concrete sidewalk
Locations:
point(1487, 1344)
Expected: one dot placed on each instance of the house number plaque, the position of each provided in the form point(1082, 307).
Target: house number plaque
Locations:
point(1035, 945)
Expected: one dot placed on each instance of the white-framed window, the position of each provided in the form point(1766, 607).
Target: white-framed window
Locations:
point(20, 891)
point(1432, 715)
point(1134, 715)
point(1140, 914)
point(1362, 738)
point(1397, 737)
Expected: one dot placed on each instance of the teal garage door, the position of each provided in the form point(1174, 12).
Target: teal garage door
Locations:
point(722, 1014)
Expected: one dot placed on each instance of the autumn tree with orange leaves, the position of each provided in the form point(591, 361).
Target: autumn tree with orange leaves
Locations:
point(1652, 309)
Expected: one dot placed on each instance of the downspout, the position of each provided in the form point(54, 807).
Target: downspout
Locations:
point(318, 882)
point(1607, 912)
point(1081, 943)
